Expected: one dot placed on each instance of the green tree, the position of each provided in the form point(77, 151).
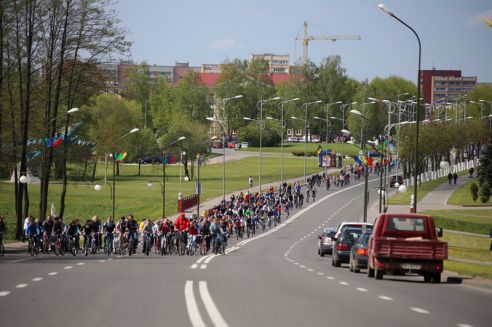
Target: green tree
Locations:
point(485, 168)
point(485, 192)
point(192, 97)
point(251, 134)
point(137, 87)
point(161, 103)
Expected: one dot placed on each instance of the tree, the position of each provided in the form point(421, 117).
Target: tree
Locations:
point(485, 169)
point(251, 134)
point(137, 87)
point(192, 97)
point(485, 192)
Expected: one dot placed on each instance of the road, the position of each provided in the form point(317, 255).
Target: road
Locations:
point(273, 279)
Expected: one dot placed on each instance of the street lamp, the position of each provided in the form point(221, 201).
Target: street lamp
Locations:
point(198, 184)
point(283, 125)
point(342, 108)
point(417, 119)
point(327, 121)
point(114, 167)
point(306, 123)
point(259, 106)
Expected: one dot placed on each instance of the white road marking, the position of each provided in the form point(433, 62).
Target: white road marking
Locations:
point(419, 310)
point(194, 266)
point(102, 261)
point(4, 293)
point(343, 283)
point(191, 306)
point(310, 269)
point(202, 258)
point(386, 298)
point(464, 325)
point(53, 273)
point(297, 263)
point(330, 278)
point(37, 279)
point(68, 267)
point(303, 266)
point(203, 267)
point(80, 263)
point(320, 273)
point(212, 310)
point(361, 289)
point(209, 258)
point(21, 286)
point(21, 260)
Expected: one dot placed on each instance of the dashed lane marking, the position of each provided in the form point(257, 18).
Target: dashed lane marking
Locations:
point(67, 267)
point(203, 267)
point(343, 283)
point(419, 310)
point(361, 289)
point(21, 286)
point(37, 279)
point(53, 273)
point(464, 325)
point(194, 266)
point(80, 263)
point(4, 293)
point(102, 261)
point(330, 277)
point(386, 298)
point(320, 273)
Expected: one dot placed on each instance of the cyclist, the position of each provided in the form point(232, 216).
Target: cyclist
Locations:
point(205, 232)
point(73, 231)
point(32, 232)
point(132, 231)
point(57, 230)
point(147, 231)
point(181, 225)
point(96, 230)
point(108, 229)
point(87, 232)
point(313, 193)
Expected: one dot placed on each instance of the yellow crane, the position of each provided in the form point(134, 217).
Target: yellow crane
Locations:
point(307, 38)
point(488, 22)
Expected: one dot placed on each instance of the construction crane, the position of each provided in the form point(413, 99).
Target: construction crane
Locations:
point(307, 38)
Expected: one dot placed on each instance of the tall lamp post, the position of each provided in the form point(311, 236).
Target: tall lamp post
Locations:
point(163, 183)
point(198, 184)
point(306, 123)
point(417, 118)
point(114, 166)
point(259, 106)
point(342, 108)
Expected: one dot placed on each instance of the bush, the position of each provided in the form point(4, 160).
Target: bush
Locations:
point(474, 191)
point(308, 153)
point(251, 134)
point(485, 192)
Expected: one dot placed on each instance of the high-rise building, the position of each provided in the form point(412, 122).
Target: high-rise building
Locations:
point(278, 64)
point(445, 84)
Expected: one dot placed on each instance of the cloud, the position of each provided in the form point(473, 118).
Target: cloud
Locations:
point(478, 18)
point(225, 44)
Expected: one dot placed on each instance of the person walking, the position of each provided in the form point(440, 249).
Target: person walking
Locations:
point(250, 181)
point(455, 177)
point(450, 177)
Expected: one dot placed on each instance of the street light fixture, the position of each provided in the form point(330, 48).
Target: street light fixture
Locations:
point(306, 123)
point(417, 119)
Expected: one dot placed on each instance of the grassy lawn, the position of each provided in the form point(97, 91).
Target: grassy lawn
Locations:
point(348, 149)
point(469, 269)
point(468, 246)
point(462, 196)
point(466, 220)
point(133, 196)
point(422, 191)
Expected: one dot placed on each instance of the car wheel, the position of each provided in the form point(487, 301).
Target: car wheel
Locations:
point(379, 274)
point(436, 278)
point(427, 278)
point(351, 264)
point(370, 272)
point(336, 262)
point(321, 253)
point(356, 268)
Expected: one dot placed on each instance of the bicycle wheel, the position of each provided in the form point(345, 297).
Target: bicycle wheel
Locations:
point(2, 250)
point(147, 246)
point(130, 247)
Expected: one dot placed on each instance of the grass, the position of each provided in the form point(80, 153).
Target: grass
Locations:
point(468, 246)
point(133, 196)
point(462, 196)
point(466, 220)
point(422, 191)
point(469, 269)
point(348, 149)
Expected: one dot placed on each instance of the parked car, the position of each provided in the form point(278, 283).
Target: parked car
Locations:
point(325, 243)
point(394, 179)
point(403, 243)
point(149, 160)
point(293, 139)
point(314, 140)
point(358, 253)
point(217, 145)
point(231, 145)
point(244, 145)
point(343, 244)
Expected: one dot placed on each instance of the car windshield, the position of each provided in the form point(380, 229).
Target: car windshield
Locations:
point(406, 224)
point(351, 234)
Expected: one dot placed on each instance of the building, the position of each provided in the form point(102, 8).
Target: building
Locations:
point(278, 64)
point(448, 84)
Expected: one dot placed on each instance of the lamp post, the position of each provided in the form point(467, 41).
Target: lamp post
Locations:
point(342, 108)
point(198, 184)
point(327, 121)
point(306, 123)
point(366, 167)
point(259, 106)
point(417, 118)
point(283, 125)
point(114, 167)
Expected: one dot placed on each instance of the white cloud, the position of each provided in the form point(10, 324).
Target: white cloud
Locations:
point(478, 18)
point(225, 44)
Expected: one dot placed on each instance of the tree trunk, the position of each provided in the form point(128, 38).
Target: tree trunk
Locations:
point(94, 168)
point(26, 201)
point(139, 164)
point(84, 173)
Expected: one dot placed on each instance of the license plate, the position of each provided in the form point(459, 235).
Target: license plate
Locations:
point(411, 267)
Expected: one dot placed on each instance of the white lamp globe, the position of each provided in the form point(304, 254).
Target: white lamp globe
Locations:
point(97, 187)
point(149, 185)
point(402, 188)
point(397, 185)
point(444, 165)
point(186, 178)
point(23, 179)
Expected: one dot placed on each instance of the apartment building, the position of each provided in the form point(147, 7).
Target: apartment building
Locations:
point(448, 84)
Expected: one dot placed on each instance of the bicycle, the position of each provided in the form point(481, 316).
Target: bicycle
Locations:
point(203, 245)
point(87, 244)
point(71, 246)
point(190, 247)
point(2, 248)
point(163, 244)
point(33, 245)
point(147, 244)
point(108, 243)
point(59, 246)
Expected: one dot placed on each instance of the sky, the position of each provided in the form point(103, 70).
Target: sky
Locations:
point(452, 33)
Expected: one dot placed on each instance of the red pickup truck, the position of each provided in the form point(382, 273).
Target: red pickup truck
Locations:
point(403, 243)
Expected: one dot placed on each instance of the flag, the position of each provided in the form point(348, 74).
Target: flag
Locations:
point(168, 160)
point(121, 157)
point(57, 143)
point(357, 159)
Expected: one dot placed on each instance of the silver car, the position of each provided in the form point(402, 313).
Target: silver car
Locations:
point(325, 242)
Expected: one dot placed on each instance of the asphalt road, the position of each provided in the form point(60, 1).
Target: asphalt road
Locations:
point(273, 279)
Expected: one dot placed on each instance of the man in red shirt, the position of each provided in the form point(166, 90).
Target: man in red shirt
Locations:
point(182, 222)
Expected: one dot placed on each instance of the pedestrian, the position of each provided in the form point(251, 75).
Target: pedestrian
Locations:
point(250, 181)
point(470, 172)
point(450, 177)
point(455, 177)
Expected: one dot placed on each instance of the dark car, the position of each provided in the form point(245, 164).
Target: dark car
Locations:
point(395, 179)
point(217, 145)
point(150, 160)
point(325, 243)
point(358, 253)
point(343, 244)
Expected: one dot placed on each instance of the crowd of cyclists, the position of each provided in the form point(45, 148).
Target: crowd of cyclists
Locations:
point(240, 216)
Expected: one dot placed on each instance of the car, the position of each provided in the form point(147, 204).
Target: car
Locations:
point(358, 253)
point(343, 245)
point(149, 160)
point(231, 145)
point(325, 243)
point(294, 139)
point(346, 224)
point(217, 145)
point(314, 140)
point(395, 179)
point(244, 145)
